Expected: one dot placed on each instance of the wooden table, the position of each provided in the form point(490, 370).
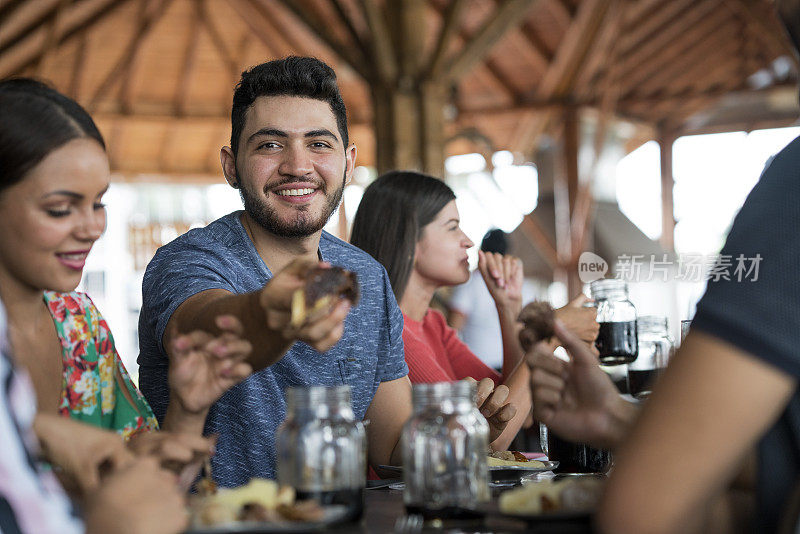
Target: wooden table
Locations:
point(383, 507)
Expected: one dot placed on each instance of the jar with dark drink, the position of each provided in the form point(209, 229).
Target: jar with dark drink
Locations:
point(617, 339)
point(321, 448)
point(573, 458)
point(444, 445)
point(655, 350)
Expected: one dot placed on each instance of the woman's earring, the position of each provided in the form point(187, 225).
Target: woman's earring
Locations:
point(235, 185)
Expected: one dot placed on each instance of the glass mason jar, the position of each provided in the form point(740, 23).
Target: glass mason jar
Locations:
point(655, 350)
point(573, 458)
point(445, 444)
point(321, 448)
point(617, 339)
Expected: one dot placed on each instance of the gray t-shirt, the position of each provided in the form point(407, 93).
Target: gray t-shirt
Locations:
point(222, 256)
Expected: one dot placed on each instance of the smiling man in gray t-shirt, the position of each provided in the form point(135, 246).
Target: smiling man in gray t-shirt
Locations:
point(290, 158)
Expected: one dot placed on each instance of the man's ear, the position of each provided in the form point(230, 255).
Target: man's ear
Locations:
point(228, 162)
point(350, 154)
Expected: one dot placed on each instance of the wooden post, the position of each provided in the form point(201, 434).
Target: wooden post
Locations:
point(566, 190)
point(665, 142)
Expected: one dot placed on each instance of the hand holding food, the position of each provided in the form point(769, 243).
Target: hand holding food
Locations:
point(309, 301)
point(570, 495)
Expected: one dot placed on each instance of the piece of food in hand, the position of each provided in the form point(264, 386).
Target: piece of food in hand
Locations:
point(323, 287)
point(507, 458)
point(570, 495)
point(537, 319)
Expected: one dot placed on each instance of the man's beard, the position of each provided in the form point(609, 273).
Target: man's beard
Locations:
point(301, 224)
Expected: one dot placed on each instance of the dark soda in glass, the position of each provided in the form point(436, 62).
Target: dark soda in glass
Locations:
point(617, 342)
point(576, 457)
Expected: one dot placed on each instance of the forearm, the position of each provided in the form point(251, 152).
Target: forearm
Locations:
point(200, 313)
point(180, 420)
point(520, 397)
point(509, 331)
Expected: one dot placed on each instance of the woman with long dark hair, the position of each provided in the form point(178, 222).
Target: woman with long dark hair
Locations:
point(409, 222)
point(54, 172)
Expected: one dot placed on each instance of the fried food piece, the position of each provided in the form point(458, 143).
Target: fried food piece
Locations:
point(537, 319)
point(253, 511)
point(323, 287)
point(301, 511)
point(571, 495)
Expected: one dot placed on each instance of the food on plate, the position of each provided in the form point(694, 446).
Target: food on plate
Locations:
point(537, 320)
point(260, 500)
point(508, 458)
point(324, 285)
point(569, 495)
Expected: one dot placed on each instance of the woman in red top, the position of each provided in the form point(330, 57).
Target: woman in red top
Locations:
point(409, 222)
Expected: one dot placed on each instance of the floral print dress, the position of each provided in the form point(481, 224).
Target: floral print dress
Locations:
point(96, 388)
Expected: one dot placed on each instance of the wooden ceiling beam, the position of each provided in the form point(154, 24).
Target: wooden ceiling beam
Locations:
point(506, 17)
point(352, 55)
point(45, 20)
point(641, 34)
point(694, 23)
point(714, 46)
point(538, 238)
point(79, 67)
point(52, 28)
point(491, 65)
point(8, 8)
point(75, 29)
point(451, 19)
point(352, 31)
point(560, 75)
point(752, 15)
point(258, 19)
point(123, 65)
point(189, 55)
point(601, 67)
point(227, 57)
point(383, 56)
point(693, 37)
point(560, 13)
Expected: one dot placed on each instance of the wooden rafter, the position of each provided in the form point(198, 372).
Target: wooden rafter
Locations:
point(509, 15)
point(7, 9)
point(261, 25)
point(499, 77)
point(220, 46)
point(128, 72)
point(694, 56)
point(451, 18)
point(753, 16)
point(538, 238)
point(352, 55)
point(644, 57)
point(692, 37)
point(566, 63)
point(560, 13)
point(641, 35)
point(358, 40)
point(80, 26)
point(123, 65)
point(79, 67)
point(52, 28)
point(189, 56)
point(45, 20)
point(383, 56)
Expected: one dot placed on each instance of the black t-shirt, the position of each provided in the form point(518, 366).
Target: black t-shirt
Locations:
point(760, 312)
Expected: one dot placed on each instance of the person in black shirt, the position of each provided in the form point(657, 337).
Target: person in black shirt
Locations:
point(730, 390)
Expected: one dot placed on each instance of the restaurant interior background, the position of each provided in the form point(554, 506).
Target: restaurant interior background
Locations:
point(527, 108)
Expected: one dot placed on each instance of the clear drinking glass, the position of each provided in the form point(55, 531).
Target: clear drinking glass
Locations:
point(655, 350)
point(445, 444)
point(321, 448)
point(617, 339)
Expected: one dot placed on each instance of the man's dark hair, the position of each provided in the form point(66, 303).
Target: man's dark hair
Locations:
point(37, 120)
point(393, 212)
point(290, 76)
point(495, 241)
